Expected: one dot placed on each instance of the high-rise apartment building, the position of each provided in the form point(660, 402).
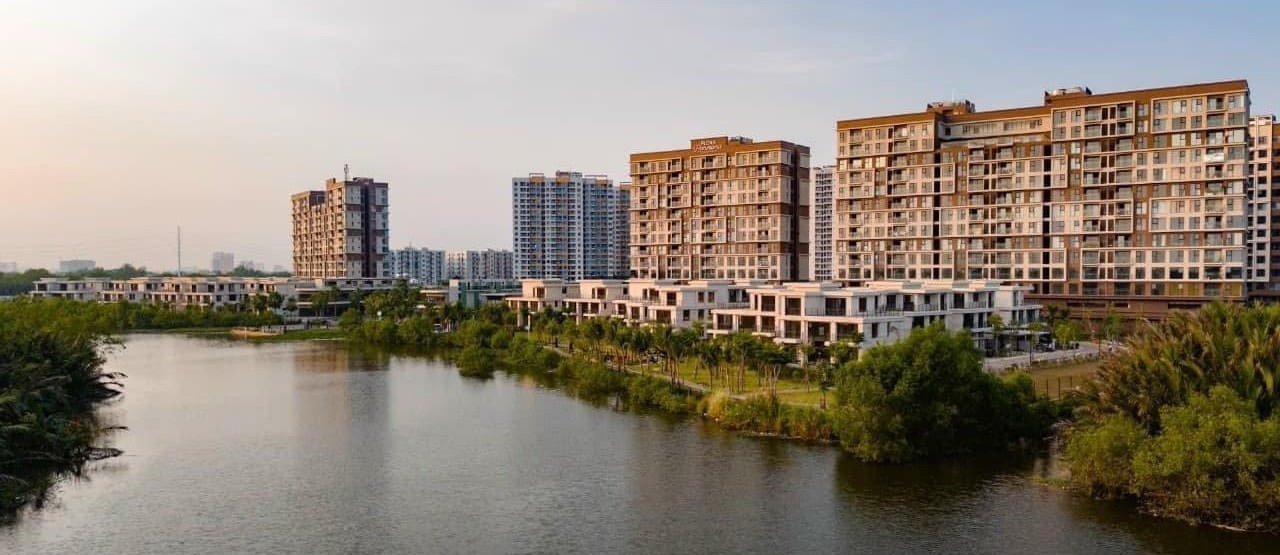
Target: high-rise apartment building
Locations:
point(342, 231)
point(222, 262)
point(620, 232)
point(487, 264)
point(820, 223)
point(566, 226)
point(1135, 200)
point(1264, 157)
point(724, 208)
point(76, 265)
point(424, 265)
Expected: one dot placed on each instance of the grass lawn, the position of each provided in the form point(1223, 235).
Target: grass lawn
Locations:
point(1064, 377)
point(809, 397)
point(302, 335)
point(193, 331)
point(688, 368)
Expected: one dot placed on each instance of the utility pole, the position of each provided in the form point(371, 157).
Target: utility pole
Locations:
point(179, 251)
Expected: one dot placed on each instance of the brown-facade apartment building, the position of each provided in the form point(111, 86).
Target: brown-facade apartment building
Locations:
point(1137, 200)
point(342, 231)
point(724, 208)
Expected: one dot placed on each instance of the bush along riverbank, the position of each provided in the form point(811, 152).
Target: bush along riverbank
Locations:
point(1184, 420)
point(924, 397)
point(51, 379)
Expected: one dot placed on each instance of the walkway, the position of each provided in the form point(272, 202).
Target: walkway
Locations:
point(1086, 350)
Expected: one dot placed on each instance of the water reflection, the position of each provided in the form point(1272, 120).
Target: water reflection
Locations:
point(343, 405)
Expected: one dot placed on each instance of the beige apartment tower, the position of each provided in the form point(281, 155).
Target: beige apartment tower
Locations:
point(1264, 131)
point(342, 231)
point(724, 208)
point(1137, 200)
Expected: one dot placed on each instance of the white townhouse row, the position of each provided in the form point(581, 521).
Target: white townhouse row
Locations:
point(793, 313)
point(183, 292)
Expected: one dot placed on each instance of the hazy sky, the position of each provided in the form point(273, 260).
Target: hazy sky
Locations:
point(123, 120)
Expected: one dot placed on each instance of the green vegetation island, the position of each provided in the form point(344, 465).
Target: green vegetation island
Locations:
point(1178, 418)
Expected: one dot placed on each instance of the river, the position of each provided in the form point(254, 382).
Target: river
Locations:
point(310, 447)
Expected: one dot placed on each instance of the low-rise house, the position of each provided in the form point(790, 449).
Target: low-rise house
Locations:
point(680, 303)
point(206, 291)
point(538, 295)
point(821, 313)
point(796, 313)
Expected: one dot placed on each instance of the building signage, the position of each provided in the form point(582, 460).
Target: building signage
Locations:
point(708, 145)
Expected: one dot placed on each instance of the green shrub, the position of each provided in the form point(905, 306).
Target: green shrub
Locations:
point(645, 391)
point(1184, 419)
point(1101, 454)
point(592, 379)
point(1215, 461)
point(476, 361)
point(928, 396)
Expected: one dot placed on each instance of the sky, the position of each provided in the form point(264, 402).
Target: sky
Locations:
point(121, 121)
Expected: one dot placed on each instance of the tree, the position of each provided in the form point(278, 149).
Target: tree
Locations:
point(846, 350)
point(825, 381)
point(745, 349)
point(320, 300)
point(1112, 325)
point(996, 323)
point(51, 379)
point(275, 301)
point(710, 355)
point(806, 352)
point(1066, 332)
point(774, 358)
point(1191, 352)
point(1185, 418)
point(1214, 460)
point(1034, 329)
point(928, 395)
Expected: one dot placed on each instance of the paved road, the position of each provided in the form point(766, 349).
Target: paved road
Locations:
point(1086, 350)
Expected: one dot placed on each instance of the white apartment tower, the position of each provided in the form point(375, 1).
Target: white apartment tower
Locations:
point(487, 264)
point(421, 264)
point(568, 226)
point(820, 222)
point(223, 262)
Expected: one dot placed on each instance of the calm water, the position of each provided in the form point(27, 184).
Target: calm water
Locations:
point(309, 448)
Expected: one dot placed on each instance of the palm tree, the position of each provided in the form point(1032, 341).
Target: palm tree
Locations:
point(776, 357)
point(710, 355)
point(1112, 325)
point(996, 323)
point(846, 349)
point(806, 352)
point(275, 300)
point(1034, 329)
point(320, 301)
point(825, 380)
point(743, 347)
point(1164, 364)
point(663, 343)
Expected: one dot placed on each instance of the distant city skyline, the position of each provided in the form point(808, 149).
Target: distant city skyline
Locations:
point(258, 101)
